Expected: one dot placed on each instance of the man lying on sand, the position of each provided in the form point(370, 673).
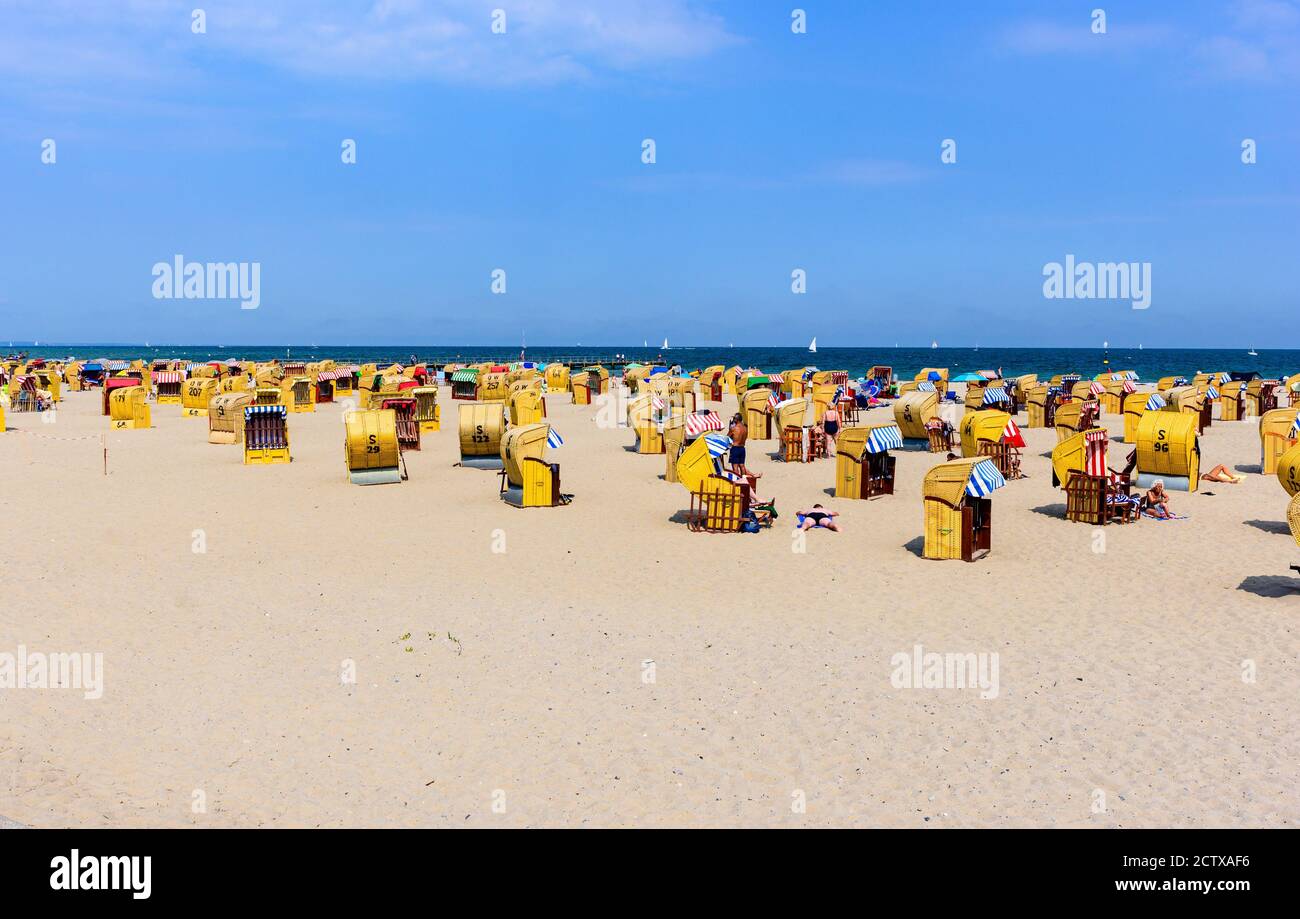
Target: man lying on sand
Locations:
point(817, 517)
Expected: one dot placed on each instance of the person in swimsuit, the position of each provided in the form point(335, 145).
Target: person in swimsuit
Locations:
point(818, 517)
point(1156, 502)
point(739, 433)
point(1220, 473)
point(831, 425)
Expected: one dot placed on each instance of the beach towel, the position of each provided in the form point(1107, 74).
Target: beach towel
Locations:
point(1146, 513)
point(820, 524)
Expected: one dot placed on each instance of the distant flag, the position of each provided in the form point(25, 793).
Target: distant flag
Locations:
point(553, 439)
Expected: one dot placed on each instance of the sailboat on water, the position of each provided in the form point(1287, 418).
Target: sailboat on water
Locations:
point(1252, 352)
point(933, 345)
point(812, 346)
point(665, 345)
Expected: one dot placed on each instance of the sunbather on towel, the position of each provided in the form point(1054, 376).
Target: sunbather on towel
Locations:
point(817, 517)
point(1156, 501)
point(1220, 473)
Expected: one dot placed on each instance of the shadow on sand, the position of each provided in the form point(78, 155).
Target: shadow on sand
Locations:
point(1269, 526)
point(1271, 586)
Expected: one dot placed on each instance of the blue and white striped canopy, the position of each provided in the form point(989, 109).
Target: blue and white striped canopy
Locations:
point(1156, 402)
point(1225, 377)
point(925, 387)
point(553, 439)
point(995, 394)
point(984, 479)
point(251, 410)
point(1211, 392)
point(1295, 428)
point(885, 437)
point(718, 444)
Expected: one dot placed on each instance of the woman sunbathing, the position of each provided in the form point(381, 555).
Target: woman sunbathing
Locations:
point(817, 517)
point(1220, 473)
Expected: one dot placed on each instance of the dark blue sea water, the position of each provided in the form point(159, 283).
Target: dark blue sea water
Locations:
point(1150, 363)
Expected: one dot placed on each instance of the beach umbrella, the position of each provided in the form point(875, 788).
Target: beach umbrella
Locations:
point(961, 377)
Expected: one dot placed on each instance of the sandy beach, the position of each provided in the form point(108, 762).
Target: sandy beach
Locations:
point(501, 656)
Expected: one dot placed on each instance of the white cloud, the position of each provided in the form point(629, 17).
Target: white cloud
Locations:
point(545, 41)
point(1258, 40)
point(1229, 56)
point(1036, 37)
point(870, 173)
point(1265, 14)
point(1265, 46)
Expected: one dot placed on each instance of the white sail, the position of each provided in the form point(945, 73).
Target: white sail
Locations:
point(934, 344)
point(665, 344)
point(812, 346)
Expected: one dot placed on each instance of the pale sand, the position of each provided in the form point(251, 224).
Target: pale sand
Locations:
point(1119, 672)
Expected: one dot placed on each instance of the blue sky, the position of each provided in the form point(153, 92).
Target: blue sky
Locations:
point(775, 151)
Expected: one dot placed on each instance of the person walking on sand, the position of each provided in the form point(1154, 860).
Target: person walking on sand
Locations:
point(831, 427)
